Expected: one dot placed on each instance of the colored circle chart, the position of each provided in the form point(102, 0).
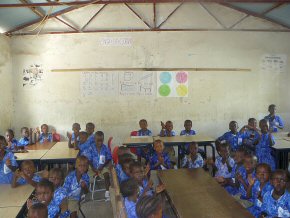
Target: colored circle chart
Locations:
point(182, 90)
point(181, 77)
point(164, 90)
point(165, 77)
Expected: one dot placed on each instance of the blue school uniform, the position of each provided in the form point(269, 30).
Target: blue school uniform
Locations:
point(24, 141)
point(73, 138)
point(230, 189)
point(154, 160)
point(197, 163)
point(263, 151)
point(242, 190)
point(122, 176)
point(255, 210)
point(91, 139)
point(172, 133)
point(147, 132)
point(130, 208)
point(140, 151)
point(143, 186)
point(43, 138)
point(184, 150)
point(250, 137)
point(60, 194)
point(276, 208)
point(97, 159)
point(13, 146)
point(234, 140)
point(22, 181)
point(5, 173)
point(73, 187)
point(222, 168)
point(184, 132)
point(84, 146)
point(274, 121)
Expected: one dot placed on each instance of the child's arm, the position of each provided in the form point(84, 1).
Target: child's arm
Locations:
point(30, 181)
point(241, 181)
point(64, 212)
point(250, 187)
point(271, 140)
point(16, 175)
point(9, 165)
point(147, 188)
point(37, 132)
point(69, 140)
point(228, 165)
point(84, 187)
point(162, 132)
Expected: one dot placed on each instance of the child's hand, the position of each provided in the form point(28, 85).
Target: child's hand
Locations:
point(251, 179)
point(147, 169)
point(239, 177)
point(160, 188)
point(29, 203)
point(45, 174)
point(8, 162)
point(69, 135)
point(83, 184)
point(162, 125)
point(150, 184)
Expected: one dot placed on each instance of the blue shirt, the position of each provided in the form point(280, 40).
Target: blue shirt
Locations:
point(122, 176)
point(172, 133)
point(186, 146)
point(13, 146)
point(91, 139)
point(24, 141)
point(98, 159)
point(154, 160)
point(250, 137)
point(5, 173)
point(234, 140)
point(184, 132)
point(242, 171)
point(276, 208)
point(145, 152)
point(197, 163)
point(144, 185)
point(84, 146)
point(274, 122)
point(263, 150)
point(130, 208)
point(43, 138)
point(73, 187)
point(147, 132)
point(73, 138)
point(222, 168)
point(22, 181)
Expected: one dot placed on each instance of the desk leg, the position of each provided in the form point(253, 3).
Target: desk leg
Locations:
point(277, 159)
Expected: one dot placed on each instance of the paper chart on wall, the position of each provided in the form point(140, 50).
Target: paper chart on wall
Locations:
point(32, 75)
point(274, 63)
point(172, 84)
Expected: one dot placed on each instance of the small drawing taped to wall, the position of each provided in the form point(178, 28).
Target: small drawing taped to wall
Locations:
point(32, 75)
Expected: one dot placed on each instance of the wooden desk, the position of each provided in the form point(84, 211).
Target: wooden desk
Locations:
point(9, 212)
point(31, 155)
point(38, 146)
point(194, 193)
point(281, 150)
point(14, 197)
point(137, 141)
point(281, 135)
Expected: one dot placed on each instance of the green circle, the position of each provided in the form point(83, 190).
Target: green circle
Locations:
point(164, 90)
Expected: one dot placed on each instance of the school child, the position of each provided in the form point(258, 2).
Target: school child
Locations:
point(90, 129)
point(56, 176)
point(187, 131)
point(274, 120)
point(130, 192)
point(263, 148)
point(37, 210)
point(73, 139)
point(11, 141)
point(83, 144)
point(26, 175)
point(276, 203)
point(233, 137)
point(149, 206)
point(258, 187)
point(251, 135)
point(144, 131)
point(137, 173)
point(167, 131)
point(194, 159)
point(100, 159)
point(76, 183)
point(8, 163)
point(123, 167)
point(25, 138)
point(44, 136)
point(159, 160)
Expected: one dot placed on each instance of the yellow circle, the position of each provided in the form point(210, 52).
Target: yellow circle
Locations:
point(181, 90)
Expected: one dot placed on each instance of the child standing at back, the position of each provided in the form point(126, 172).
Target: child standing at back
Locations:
point(274, 120)
point(194, 159)
point(11, 141)
point(44, 136)
point(73, 139)
point(26, 137)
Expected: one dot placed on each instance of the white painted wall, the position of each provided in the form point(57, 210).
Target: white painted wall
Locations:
point(6, 95)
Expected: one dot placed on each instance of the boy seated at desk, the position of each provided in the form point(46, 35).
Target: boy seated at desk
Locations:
point(73, 138)
point(167, 131)
point(193, 159)
point(84, 143)
point(11, 141)
point(90, 129)
point(250, 136)
point(44, 136)
point(275, 121)
point(26, 138)
point(100, 159)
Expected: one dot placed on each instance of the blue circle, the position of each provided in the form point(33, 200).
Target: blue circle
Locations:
point(165, 77)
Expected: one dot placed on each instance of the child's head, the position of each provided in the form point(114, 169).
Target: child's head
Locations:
point(76, 127)
point(9, 135)
point(149, 207)
point(224, 150)
point(83, 137)
point(169, 126)
point(44, 128)
point(252, 122)
point(82, 164)
point(44, 191)
point(193, 148)
point(239, 156)
point(3, 142)
point(90, 128)
point(125, 161)
point(28, 168)
point(263, 172)
point(123, 150)
point(250, 162)
point(263, 124)
point(143, 124)
point(130, 188)
point(38, 210)
point(158, 146)
point(25, 132)
point(187, 125)
point(99, 138)
point(279, 180)
point(272, 109)
point(137, 171)
point(56, 176)
point(233, 126)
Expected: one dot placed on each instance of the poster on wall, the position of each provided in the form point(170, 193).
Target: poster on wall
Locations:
point(274, 63)
point(172, 84)
point(32, 75)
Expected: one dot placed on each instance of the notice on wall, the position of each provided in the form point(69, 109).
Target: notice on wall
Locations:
point(32, 75)
point(274, 63)
point(172, 84)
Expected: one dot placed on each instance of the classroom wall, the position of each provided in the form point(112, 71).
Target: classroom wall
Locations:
point(214, 98)
point(6, 95)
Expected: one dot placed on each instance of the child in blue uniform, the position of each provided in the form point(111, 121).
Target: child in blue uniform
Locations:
point(276, 203)
point(11, 141)
point(263, 148)
point(159, 160)
point(274, 120)
point(186, 132)
point(44, 136)
point(130, 192)
point(84, 143)
point(25, 139)
point(123, 167)
point(73, 139)
point(194, 159)
point(251, 136)
point(167, 131)
point(90, 129)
